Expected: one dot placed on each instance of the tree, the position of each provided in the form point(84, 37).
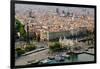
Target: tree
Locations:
point(19, 27)
point(38, 37)
point(20, 51)
point(55, 47)
point(30, 47)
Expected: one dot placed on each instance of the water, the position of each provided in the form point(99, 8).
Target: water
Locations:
point(72, 58)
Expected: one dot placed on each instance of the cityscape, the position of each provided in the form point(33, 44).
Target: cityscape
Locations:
point(53, 34)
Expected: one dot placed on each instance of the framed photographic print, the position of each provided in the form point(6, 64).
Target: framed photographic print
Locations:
point(50, 34)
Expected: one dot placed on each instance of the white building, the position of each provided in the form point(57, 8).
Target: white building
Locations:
point(68, 42)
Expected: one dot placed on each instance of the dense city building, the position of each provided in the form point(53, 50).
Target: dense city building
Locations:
point(52, 25)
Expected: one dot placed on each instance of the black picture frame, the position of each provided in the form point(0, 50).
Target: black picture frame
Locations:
point(12, 12)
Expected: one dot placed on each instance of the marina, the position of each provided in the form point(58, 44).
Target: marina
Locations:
point(53, 35)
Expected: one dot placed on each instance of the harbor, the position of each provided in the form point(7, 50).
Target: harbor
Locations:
point(53, 35)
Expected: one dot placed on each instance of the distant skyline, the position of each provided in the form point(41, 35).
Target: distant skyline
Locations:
point(21, 8)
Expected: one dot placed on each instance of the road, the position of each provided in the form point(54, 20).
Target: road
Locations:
point(34, 56)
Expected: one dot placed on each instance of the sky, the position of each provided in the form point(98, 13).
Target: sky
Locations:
point(45, 8)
